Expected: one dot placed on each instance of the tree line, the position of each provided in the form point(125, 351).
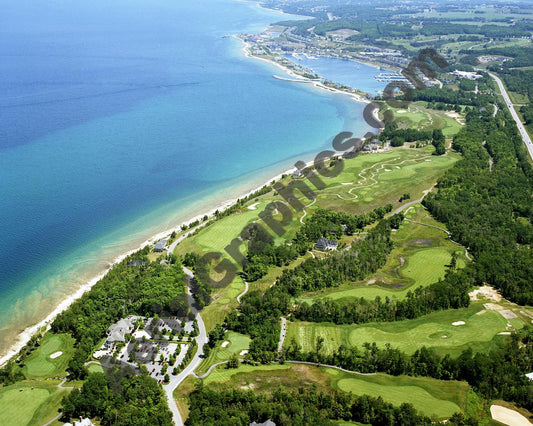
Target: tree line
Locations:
point(259, 313)
point(296, 407)
point(498, 374)
point(485, 201)
point(449, 293)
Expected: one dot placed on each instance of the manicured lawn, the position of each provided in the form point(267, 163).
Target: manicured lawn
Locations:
point(237, 343)
point(434, 330)
point(39, 364)
point(392, 172)
point(224, 300)
point(427, 266)
point(430, 397)
point(95, 368)
point(373, 180)
point(417, 116)
point(21, 405)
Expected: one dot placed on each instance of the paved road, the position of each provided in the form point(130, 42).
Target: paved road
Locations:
point(182, 237)
point(246, 288)
point(521, 128)
point(201, 339)
point(282, 333)
point(405, 206)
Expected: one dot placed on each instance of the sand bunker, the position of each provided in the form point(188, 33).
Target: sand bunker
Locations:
point(508, 416)
point(485, 292)
point(253, 206)
point(507, 314)
point(243, 352)
point(224, 344)
point(458, 323)
point(401, 111)
point(56, 355)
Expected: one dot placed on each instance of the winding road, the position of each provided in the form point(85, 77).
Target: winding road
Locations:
point(201, 340)
point(521, 128)
point(246, 288)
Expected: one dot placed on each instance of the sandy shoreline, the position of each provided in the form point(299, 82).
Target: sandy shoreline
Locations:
point(317, 84)
point(23, 337)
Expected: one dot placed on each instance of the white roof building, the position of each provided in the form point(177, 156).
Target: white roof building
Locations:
point(117, 332)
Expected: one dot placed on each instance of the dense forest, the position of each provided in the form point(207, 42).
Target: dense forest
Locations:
point(127, 289)
point(119, 399)
point(297, 407)
point(485, 201)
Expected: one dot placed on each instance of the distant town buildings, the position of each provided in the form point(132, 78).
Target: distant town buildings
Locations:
point(466, 74)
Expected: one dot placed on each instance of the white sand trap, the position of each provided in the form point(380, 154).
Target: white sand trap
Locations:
point(56, 355)
point(387, 170)
point(508, 416)
point(224, 344)
point(428, 160)
point(243, 352)
point(253, 206)
point(346, 183)
point(444, 336)
point(458, 323)
point(401, 111)
point(397, 167)
point(504, 333)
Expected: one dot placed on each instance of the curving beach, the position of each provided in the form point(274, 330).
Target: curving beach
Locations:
point(78, 199)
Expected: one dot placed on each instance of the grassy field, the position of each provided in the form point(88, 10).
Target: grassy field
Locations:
point(419, 117)
point(30, 402)
point(40, 365)
point(95, 368)
point(374, 180)
point(237, 343)
point(480, 332)
point(432, 397)
point(419, 258)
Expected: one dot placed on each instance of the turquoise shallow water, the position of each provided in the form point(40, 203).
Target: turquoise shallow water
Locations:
point(121, 119)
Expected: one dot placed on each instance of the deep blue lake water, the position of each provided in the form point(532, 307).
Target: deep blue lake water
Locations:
point(119, 119)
